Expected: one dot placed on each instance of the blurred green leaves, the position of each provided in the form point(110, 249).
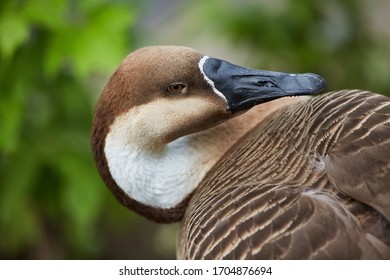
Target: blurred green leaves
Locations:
point(86, 36)
point(98, 45)
point(329, 37)
point(49, 52)
point(13, 32)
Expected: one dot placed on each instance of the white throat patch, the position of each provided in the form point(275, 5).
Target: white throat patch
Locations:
point(159, 179)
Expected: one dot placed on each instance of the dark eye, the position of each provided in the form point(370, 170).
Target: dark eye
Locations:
point(177, 88)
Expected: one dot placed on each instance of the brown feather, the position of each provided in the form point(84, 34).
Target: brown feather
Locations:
point(310, 182)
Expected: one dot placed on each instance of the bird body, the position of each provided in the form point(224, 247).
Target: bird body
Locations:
point(291, 188)
point(178, 136)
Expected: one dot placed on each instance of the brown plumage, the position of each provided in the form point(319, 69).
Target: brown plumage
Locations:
point(295, 178)
point(311, 182)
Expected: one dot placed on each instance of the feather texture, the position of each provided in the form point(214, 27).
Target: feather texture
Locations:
point(310, 182)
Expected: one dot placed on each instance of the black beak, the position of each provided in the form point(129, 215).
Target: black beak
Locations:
point(244, 88)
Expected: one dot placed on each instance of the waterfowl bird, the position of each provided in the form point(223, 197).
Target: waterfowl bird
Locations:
point(180, 136)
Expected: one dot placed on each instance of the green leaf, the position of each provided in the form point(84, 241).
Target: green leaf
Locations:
point(81, 198)
point(96, 44)
point(14, 31)
point(18, 224)
point(102, 44)
point(11, 116)
point(49, 14)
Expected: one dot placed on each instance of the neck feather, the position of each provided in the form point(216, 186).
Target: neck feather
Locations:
point(163, 178)
point(159, 178)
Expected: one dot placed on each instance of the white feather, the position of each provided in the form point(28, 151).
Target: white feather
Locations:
point(160, 179)
point(208, 80)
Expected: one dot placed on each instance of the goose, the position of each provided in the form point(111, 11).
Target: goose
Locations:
point(254, 164)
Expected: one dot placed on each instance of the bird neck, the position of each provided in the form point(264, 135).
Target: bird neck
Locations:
point(163, 178)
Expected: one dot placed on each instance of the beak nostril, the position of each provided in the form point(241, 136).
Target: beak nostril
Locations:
point(267, 84)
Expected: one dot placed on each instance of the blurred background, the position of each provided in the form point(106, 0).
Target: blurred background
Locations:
point(55, 58)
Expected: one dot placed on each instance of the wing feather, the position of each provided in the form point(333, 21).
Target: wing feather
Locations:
point(310, 182)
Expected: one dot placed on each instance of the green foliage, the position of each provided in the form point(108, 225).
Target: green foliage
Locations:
point(49, 52)
point(329, 37)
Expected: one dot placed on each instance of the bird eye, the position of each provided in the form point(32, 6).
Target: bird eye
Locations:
point(177, 88)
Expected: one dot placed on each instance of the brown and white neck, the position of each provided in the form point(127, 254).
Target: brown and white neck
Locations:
point(158, 178)
point(163, 177)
